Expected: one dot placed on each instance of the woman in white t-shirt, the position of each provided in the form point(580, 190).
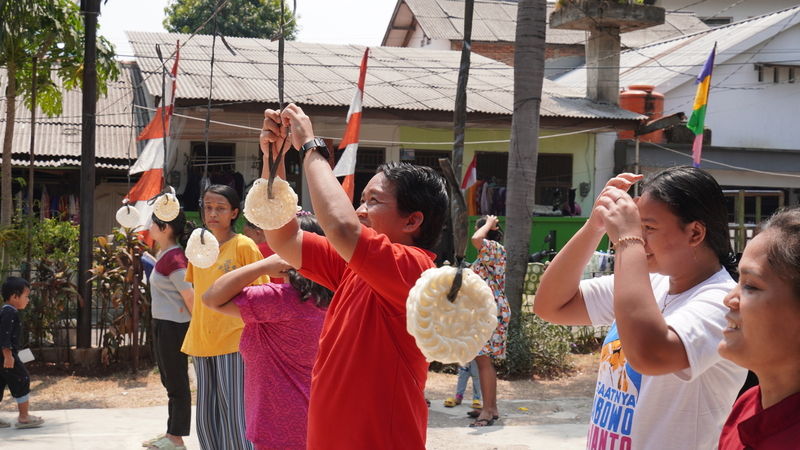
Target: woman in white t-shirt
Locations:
point(661, 383)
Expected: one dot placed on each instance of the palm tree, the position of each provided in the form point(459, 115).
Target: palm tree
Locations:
point(528, 80)
point(52, 31)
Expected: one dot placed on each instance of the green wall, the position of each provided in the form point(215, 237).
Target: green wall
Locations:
point(565, 228)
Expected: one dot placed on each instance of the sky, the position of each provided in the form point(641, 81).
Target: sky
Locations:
point(361, 22)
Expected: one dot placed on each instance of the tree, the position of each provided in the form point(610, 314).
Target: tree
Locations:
point(51, 31)
point(528, 81)
point(242, 18)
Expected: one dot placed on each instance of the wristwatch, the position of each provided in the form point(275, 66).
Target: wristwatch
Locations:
point(318, 144)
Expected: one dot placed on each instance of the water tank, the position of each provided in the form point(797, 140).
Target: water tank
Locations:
point(642, 99)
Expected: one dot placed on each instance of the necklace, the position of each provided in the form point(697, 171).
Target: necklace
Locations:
point(668, 300)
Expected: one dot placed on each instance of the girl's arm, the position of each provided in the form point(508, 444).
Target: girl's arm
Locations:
point(482, 232)
point(188, 298)
point(559, 298)
point(218, 297)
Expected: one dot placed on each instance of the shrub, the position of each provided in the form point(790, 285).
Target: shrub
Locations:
point(535, 347)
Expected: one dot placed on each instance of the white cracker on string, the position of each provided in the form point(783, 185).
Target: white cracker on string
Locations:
point(202, 255)
point(450, 332)
point(270, 214)
point(128, 216)
point(166, 207)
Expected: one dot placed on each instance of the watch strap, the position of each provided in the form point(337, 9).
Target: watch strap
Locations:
point(317, 143)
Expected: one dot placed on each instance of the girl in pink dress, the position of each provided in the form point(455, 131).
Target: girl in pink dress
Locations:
point(279, 343)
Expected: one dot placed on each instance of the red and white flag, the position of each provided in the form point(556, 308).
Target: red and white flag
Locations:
point(151, 160)
point(471, 175)
point(346, 167)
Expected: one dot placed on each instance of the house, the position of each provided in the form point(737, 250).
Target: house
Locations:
point(752, 104)
point(722, 12)
point(57, 150)
point(408, 110)
point(439, 24)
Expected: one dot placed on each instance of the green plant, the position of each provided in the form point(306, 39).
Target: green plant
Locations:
point(588, 339)
point(535, 347)
point(54, 296)
point(118, 288)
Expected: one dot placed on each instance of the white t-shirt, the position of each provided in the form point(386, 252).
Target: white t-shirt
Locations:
point(681, 410)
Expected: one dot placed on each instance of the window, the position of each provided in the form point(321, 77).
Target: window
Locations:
point(553, 174)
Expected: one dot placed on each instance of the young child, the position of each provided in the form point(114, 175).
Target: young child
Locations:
point(464, 372)
point(15, 293)
point(282, 325)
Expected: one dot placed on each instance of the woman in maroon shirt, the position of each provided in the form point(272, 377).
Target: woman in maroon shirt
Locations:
point(763, 335)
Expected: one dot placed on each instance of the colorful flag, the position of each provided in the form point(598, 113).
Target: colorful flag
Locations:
point(471, 175)
point(697, 121)
point(346, 167)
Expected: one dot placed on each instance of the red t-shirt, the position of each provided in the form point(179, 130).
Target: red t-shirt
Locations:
point(750, 426)
point(265, 252)
point(369, 377)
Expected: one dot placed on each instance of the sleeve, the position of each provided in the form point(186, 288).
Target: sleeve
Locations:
point(247, 253)
point(699, 323)
point(178, 278)
point(264, 303)
point(598, 295)
point(189, 273)
point(6, 328)
point(321, 262)
point(391, 270)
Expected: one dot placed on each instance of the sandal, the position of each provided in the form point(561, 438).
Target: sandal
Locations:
point(482, 423)
point(451, 402)
point(150, 442)
point(476, 404)
point(4, 424)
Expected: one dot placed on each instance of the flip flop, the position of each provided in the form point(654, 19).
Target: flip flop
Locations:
point(4, 424)
point(150, 442)
point(451, 402)
point(485, 422)
point(32, 422)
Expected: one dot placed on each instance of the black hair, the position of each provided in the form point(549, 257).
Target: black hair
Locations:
point(180, 228)
point(694, 195)
point(14, 286)
point(247, 223)
point(492, 235)
point(304, 286)
point(230, 194)
point(420, 188)
point(783, 250)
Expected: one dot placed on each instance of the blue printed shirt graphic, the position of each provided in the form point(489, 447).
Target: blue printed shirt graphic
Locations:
point(615, 398)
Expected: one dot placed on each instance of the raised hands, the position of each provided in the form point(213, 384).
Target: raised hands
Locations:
point(615, 212)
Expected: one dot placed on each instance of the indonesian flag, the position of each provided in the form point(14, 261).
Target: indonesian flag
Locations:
point(346, 167)
point(471, 175)
point(152, 158)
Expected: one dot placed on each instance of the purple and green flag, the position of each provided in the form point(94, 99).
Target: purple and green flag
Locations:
point(697, 121)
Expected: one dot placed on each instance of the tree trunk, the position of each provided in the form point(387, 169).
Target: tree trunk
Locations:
point(528, 80)
point(6, 207)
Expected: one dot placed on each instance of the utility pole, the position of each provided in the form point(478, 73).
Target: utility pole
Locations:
point(90, 9)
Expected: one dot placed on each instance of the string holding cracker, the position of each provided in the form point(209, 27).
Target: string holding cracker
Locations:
point(273, 163)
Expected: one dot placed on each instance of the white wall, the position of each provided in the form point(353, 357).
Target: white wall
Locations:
point(742, 11)
point(752, 114)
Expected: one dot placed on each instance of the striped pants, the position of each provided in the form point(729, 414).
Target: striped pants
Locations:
point(220, 402)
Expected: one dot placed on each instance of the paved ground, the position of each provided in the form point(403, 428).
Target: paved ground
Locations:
point(553, 425)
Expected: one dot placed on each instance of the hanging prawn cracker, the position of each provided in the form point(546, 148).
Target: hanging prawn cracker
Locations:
point(202, 249)
point(128, 216)
point(167, 207)
point(450, 332)
point(266, 213)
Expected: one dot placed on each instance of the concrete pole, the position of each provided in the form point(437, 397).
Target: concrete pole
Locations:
point(602, 65)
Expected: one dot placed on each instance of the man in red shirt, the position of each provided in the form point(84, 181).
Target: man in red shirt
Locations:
point(369, 377)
